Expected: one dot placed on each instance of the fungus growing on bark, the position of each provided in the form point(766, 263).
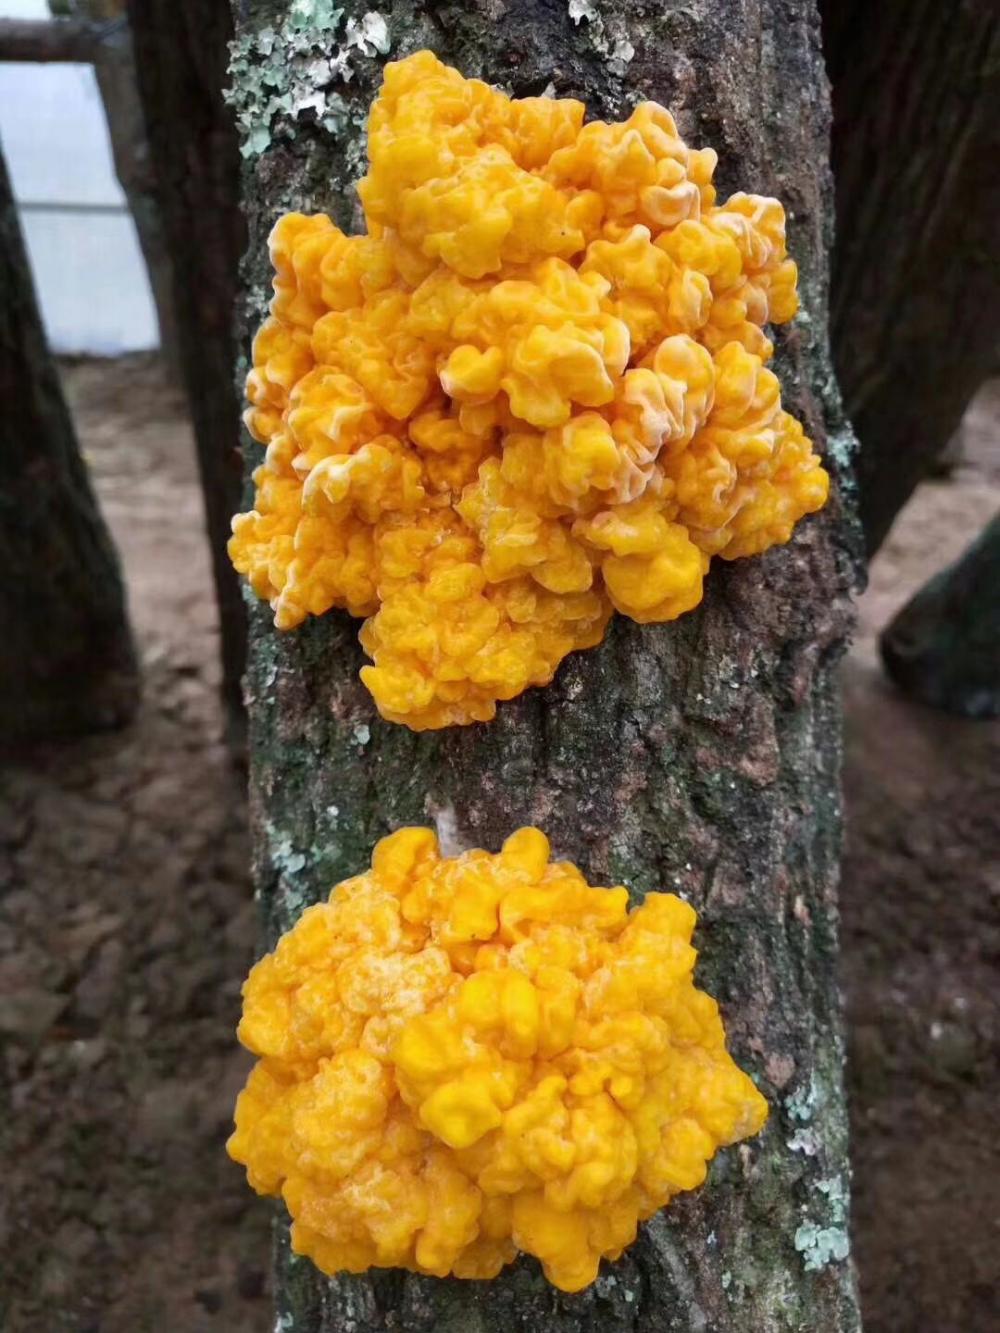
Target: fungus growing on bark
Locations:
point(535, 392)
point(463, 1058)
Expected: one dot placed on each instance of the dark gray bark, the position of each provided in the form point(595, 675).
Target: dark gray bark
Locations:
point(943, 647)
point(701, 756)
point(181, 49)
point(915, 309)
point(115, 69)
point(67, 662)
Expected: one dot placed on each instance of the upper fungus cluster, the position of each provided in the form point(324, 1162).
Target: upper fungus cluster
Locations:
point(464, 1058)
point(534, 393)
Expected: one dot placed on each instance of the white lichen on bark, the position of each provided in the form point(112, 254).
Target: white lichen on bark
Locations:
point(285, 71)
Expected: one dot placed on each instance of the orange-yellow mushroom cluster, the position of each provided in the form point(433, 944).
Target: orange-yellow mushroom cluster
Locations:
point(534, 393)
point(463, 1058)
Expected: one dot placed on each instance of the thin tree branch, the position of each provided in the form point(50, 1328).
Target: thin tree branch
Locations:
point(43, 41)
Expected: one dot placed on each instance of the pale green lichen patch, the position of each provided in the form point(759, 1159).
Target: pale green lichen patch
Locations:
point(804, 1102)
point(583, 9)
point(370, 35)
point(285, 859)
point(826, 1241)
point(820, 1246)
point(292, 69)
point(610, 39)
point(821, 1237)
point(835, 1192)
point(842, 446)
point(805, 1142)
point(292, 869)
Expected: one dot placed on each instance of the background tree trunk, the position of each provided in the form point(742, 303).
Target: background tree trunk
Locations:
point(943, 646)
point(181, 49)
point(915, 309)
point(701, 756)
point(67, 661)
point(114, 67)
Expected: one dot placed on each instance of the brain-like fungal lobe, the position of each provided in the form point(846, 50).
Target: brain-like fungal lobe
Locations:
point(463, 1058)
point(535, 392)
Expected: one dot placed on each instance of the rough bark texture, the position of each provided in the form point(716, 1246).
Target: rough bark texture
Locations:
point(915, 295)
point(943, 647)
point(701, 756)
point(66, 657)
point(181, 53)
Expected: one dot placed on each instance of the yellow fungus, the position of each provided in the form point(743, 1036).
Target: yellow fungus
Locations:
point(461, 1058)
point(533, 393)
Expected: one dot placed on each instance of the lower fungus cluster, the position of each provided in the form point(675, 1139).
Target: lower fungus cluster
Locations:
point(465, 1058)
point(535, 392)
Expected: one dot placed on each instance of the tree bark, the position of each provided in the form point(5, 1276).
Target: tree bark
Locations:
point(181, 49)
point(943, 646)
point(915, 306)
point(67, 662)
point(701, 756)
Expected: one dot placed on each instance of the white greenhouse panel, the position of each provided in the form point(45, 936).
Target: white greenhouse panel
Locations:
point(88, 268)
point(91, 282)
point(24, 9)
point(55, 137)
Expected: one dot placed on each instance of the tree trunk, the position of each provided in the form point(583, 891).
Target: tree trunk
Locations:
point(701, 756)
point(67, 662)
point(915, 308)
point(943, 646)
point(181, 49)
point(114, 68)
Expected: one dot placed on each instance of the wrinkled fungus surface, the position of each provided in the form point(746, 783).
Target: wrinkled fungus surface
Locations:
point(463, 1058)
point(534, 393)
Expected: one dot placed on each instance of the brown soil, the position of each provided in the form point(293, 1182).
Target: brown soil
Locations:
point(127, 924)
point(920, 932)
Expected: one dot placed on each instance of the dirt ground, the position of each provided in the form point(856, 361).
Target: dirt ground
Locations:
point(127, 924)
point(920, 930)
